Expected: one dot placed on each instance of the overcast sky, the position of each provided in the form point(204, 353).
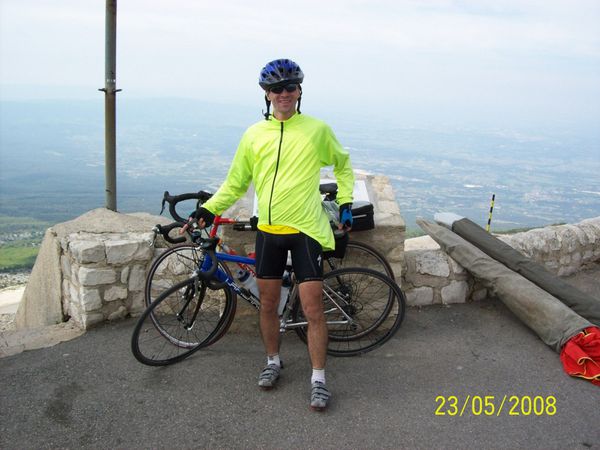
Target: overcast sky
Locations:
point(471, 60)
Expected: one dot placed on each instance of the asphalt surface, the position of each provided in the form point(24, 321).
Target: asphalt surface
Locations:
point(91, 393)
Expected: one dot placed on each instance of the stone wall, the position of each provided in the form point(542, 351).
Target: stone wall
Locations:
point(432, 277)
point(93, 268)
point(89, 270)
point(104, 275)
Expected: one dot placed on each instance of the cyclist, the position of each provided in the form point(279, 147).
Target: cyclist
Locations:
point(282, 155)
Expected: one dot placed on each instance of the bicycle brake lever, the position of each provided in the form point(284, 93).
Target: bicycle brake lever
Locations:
point(151, 243)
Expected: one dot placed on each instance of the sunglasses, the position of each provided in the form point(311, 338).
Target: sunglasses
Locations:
point(288, 88)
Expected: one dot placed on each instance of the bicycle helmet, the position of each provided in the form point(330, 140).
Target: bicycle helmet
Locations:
point(280, 72)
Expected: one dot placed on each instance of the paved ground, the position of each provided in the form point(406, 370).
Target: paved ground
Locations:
point(91, 393)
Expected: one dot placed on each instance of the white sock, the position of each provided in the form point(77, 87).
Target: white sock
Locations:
point(318, 375)
point(274, 360)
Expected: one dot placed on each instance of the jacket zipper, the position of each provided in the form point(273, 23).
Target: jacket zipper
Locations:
point(276, 169)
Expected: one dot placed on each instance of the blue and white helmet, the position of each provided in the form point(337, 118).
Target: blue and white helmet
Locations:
point(280, 72)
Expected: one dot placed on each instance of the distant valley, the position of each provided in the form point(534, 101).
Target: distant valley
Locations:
point(52, 162)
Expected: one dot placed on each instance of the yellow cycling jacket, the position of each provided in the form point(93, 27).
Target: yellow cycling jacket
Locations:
point(283, 159)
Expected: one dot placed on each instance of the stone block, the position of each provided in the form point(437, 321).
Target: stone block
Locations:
point(120, 313)
point(455, 292)
point(66, 298)
point(90, 299)
point(144, 252)
point(93, 277)
point(421, 243)
point(73, 292)
point(432, 263)
point(121, 251)
point(65, 265)
point(115, 293)
point(588, 256)
point(590, 232)
point(137, 278)
point(135, 303)
point(457, 269)
point(74, 275)
point(125, 275)
point(419, 296)
point(89, 320)
point(398, 269)
point(86, 252)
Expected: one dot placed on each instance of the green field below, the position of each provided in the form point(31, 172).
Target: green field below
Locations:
point(18, 255)
point(20, 239)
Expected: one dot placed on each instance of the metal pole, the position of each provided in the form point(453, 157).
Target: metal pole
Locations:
point(110, 147)
point(489, 222)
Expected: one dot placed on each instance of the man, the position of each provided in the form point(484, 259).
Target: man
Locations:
point(282, 155)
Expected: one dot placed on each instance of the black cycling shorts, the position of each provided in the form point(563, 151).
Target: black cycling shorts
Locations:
point(272, 253)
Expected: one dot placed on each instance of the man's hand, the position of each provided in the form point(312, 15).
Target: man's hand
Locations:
point(345, 217)
point(202, 218)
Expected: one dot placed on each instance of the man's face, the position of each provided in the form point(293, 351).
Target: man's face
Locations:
point(284, 104)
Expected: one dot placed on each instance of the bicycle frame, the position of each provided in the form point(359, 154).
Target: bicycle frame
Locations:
point(222, 276)
point(244, 264)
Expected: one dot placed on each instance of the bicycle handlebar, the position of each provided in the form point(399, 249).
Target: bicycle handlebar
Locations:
point(164, 230)
point(250, 225)
point(172, 200)
point(328, 189)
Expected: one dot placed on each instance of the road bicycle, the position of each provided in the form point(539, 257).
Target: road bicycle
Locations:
point(363, 308)
point(175, 263)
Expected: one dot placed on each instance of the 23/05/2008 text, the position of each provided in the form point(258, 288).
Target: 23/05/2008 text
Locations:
point(490, 405)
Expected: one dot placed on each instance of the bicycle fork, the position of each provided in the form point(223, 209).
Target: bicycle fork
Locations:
point(188, 295)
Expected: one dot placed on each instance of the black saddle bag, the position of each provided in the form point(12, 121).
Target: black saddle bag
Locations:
point(363, 216)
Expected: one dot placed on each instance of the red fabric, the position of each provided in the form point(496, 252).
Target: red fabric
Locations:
point(581, 355)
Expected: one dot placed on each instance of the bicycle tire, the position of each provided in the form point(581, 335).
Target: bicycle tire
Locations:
point(182, 320)
point(359, 254)
point(375, 303)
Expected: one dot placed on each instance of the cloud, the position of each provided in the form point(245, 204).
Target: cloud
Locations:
point(454, 56)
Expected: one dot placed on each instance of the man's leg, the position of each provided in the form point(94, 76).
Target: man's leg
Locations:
point(270, 263)
point(270, 291)
point(269, 329)
point(311, 296)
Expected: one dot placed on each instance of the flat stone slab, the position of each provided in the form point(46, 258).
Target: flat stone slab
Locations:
point(14, 342)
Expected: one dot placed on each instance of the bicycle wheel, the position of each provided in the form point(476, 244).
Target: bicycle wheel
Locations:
point(364, 308)
point(175, 265)
point(359, 254)
point(182, 320)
